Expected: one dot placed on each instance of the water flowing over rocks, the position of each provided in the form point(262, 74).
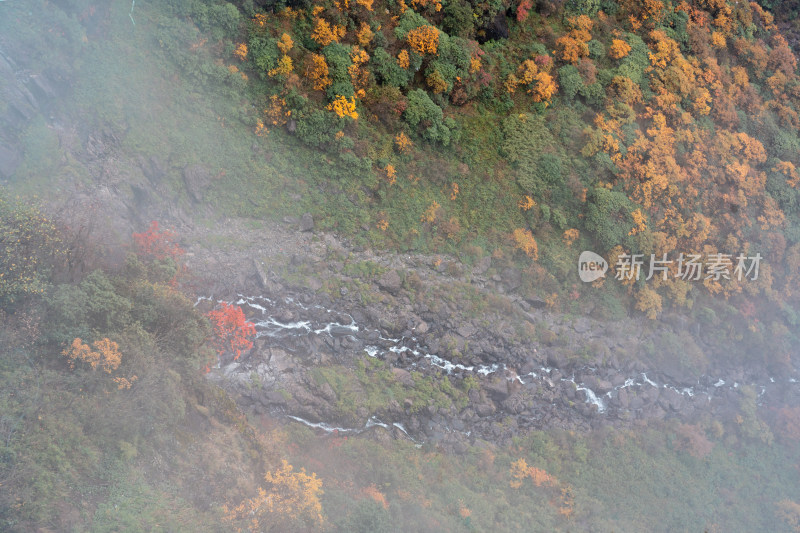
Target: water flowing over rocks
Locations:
point(524, 384)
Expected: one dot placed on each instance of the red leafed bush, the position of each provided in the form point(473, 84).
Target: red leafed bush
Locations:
point(232, 332)
point(156, 243)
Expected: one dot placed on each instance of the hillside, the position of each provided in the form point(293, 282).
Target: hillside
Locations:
point(297, 266)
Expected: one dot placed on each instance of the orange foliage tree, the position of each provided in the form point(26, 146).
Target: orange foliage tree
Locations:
point(105, 356)
point(574, 45)
point(232, 332)
point(618, 49)
point(520, 471)
point(692, 439)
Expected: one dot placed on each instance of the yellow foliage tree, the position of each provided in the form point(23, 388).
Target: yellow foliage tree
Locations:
point(649, 302)
point(344, 107)
point(241, 51)
point(544, 87)
point(364, 34)
point(570, 236)
point(523, 240)
point(106, 357)
point(391, 174)
point(318, 72)
point(402, 59)
point(286, 43)
point(436, 82)
point(324, 33)
point(403, 143)
point(284, 67)
point(424, 39)
point(293, 495)
point(359, 76)
point(431, 213)
point(526, 203)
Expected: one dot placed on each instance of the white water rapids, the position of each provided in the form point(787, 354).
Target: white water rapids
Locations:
point(267, 325)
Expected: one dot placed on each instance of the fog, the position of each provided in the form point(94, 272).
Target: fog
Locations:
point(369, 266)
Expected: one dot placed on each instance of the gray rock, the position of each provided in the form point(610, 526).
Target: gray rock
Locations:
point(153, 169)
point(497, 389)
point(390, 282)
point(273, 397)
point(403, 376)
point(197, 179)
point(484, 409)
point(466, 330)
point(512, 278)
point(582, 325)
point(306, 222)
point(536, 303)
point(622, 399)
point(482, 265)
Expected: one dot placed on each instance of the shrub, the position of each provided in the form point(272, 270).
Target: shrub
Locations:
point(387, 70)
point(609, 217)
point(319, 127)
point(425, 117)
point(28, 250)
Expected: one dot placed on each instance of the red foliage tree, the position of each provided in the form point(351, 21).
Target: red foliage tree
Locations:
point(156, 243)
point(523, 10)
point(232, 332)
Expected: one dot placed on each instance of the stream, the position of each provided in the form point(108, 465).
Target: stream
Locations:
point(287, 319)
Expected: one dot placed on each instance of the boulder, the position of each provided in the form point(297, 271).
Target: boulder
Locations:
point(390, 282)
point(197, 179)
point(482, 265)
point(306, 222)
point(497, 389)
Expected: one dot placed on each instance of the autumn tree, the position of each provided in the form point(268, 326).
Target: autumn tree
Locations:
point(692, 439)
point(520, 471)
point(232, 332)
point(291, 495)
point(618, 49)
point(574, 45)
point(325, 33)
point(156, 243)
point(318, 72)
point(523, 240)
point(538, 83)
point(105, 356)
point(424, 40)
point(344, 107)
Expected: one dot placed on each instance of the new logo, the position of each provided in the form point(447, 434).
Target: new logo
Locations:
point(591, 266)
